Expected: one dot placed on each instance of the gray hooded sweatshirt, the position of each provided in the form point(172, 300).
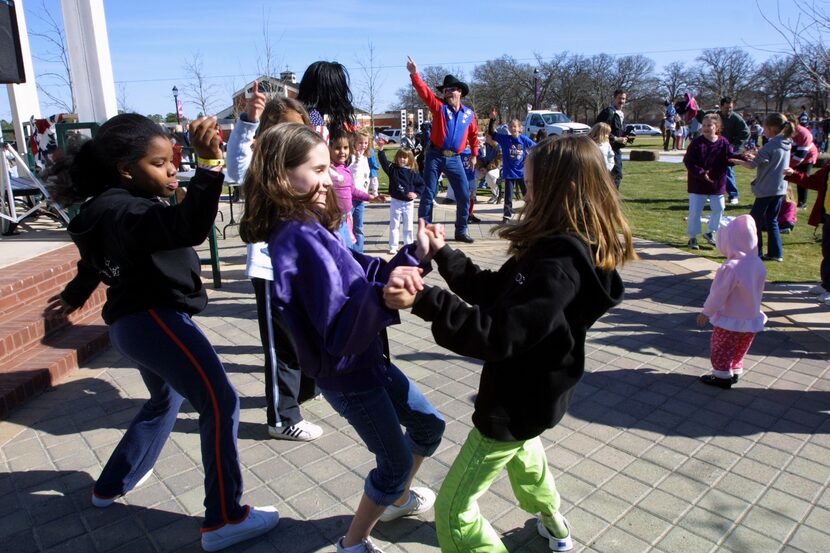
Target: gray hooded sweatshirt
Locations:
point(770, 162)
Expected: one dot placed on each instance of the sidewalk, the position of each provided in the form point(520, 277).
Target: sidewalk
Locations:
point(646, 460)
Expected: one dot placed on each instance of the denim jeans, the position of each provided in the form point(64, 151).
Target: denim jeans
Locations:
point(458, 521)
point(731, 183)
point(509, 186)
point(617, 171)
point(696, 204)
point(434, 165)
point(377, 415)
point(357, 225)
point(765, 212)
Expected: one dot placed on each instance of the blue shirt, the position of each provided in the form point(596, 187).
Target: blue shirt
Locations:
point(513, 153)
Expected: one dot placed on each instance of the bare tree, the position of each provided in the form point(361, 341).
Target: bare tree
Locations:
point(674, 79)
point(775, 80)
point(504, 84)
point(725, 72)
point(407, 99)
point(806, 36)
point(55, 85)
point(371, 81)
point(563, 80)
point(268, 62)
point(198, 90)
point(121, 98)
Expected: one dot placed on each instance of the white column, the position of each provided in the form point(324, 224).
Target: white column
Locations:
point(89, 59)
point(23, 98)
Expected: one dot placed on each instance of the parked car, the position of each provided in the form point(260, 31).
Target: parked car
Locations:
point(641, 129)
point(392, 136)
point(554, 122)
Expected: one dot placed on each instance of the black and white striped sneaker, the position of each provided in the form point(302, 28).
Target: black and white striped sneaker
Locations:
point(303, 431)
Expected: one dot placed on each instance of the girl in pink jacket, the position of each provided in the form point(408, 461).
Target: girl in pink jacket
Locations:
point(734, 303)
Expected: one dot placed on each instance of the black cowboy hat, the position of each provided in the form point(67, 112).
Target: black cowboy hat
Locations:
point(449, 80)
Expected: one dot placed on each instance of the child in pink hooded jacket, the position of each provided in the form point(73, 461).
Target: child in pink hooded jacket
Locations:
point(734, 303)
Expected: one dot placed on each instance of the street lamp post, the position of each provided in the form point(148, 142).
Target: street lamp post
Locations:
point(536, 88)
point(176, 102)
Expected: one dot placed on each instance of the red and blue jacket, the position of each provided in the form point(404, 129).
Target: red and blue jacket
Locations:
point(451, 130)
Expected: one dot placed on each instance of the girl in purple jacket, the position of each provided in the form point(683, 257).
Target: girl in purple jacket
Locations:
point(331, 299)
point(707, 160)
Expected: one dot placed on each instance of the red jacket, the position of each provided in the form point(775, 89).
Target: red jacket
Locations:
point(817, 182)
point(450, 130)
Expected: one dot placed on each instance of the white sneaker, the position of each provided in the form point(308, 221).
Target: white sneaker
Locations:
point(393, 251)
point(817, 290)
point(259, 521)
point(824, 297)
point(420, 501)
point(366, 546)
point(102, 502)
point(555, 544)
point(303, 431)
point(734, 201)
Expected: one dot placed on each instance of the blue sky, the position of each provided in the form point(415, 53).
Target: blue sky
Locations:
point(150, 39)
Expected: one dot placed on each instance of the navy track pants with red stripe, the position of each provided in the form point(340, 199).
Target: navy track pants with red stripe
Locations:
point(177, 362)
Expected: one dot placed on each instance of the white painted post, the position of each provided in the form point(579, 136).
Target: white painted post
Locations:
point(23, 97)
point(89, 59)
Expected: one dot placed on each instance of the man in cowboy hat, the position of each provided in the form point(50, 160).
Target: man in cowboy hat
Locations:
point(454, 128)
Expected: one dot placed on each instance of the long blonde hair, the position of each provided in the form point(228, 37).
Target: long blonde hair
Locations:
point(269, 195)
point(572, 193)
point(600, 132)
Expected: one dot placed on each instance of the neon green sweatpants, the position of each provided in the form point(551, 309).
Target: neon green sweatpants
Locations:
point(458, 521)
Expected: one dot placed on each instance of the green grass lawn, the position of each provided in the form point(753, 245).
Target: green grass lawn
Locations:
point(656, 203)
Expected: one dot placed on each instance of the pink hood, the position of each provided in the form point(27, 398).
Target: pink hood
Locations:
point(734, 301)
point(739, 238)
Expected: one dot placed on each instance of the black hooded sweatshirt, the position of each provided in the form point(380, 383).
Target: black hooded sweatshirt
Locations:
point(143, 249)
point(527, 322)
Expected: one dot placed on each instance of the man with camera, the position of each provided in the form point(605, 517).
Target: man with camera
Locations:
point(614, 116)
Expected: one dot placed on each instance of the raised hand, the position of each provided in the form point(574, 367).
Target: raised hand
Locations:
point(429, 239)
point(410, 65)
point(206, 139)
point(255, 104)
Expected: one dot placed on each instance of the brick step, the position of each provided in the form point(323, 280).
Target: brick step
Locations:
point(36, 278)
point(25, 327)
point(50, 362)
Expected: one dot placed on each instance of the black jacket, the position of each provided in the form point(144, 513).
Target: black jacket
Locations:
point(609, 115)
point(143, 249)
point(402, 180)
point(527, 322)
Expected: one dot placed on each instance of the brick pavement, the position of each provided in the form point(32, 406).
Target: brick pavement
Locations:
point(647, 459)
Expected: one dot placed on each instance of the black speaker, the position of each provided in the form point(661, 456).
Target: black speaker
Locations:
point(11, 58)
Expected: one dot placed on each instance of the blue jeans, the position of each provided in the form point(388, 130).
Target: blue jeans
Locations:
point(731, 183)
point(617, 171)
point(177, 362)
point(377, 415)
point(765, 212)
point(357, 225)
point(509, 186)
point(696, 204)
point(434, 165)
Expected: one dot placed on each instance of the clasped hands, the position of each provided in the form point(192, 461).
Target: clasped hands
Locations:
point(405, 282)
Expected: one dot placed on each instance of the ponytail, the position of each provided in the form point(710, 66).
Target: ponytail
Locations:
point(780, 123)
point(788, 129)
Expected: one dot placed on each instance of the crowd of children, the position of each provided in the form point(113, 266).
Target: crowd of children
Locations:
point(324, 306)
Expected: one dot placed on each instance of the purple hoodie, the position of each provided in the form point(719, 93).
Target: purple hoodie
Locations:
point(734, 301)
point(704, 155)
